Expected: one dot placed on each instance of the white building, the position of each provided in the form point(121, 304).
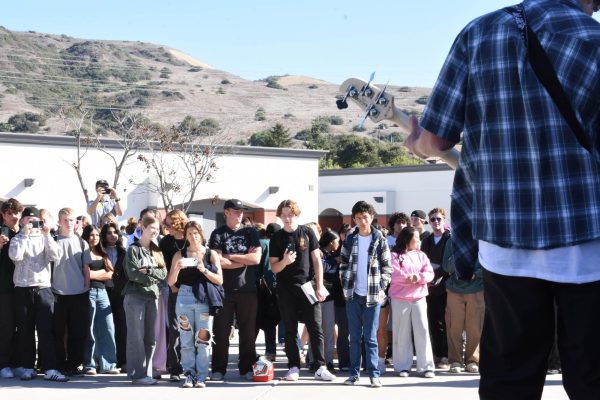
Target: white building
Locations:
point(388, 189)
point(37, 170)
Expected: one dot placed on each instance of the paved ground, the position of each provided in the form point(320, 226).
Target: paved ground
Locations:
point(444, 386)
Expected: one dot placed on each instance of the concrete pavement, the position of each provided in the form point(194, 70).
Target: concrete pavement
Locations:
point(444, 386)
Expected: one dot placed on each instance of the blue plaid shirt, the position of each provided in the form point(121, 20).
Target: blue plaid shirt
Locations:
point(523, 180)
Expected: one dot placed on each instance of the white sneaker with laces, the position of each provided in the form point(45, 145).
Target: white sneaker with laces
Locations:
point(189, 381)
point(324, 374)
point(6, 373)
point(293, 374)
point(54, 375)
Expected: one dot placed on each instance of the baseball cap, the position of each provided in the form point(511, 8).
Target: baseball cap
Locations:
point(30, 212)
point(101, 182)
point(272, 228)
point(420, 214)
point(235, 204)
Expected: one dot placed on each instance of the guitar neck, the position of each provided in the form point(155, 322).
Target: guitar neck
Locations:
point(450, 156)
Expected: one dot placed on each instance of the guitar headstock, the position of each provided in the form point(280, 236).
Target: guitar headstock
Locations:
point(377, 103)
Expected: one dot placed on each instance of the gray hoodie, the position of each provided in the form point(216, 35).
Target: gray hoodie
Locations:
point(32, 256)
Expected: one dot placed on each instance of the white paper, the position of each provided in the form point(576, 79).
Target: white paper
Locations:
point(309, 292)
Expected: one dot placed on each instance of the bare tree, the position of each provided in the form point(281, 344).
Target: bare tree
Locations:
point(75, 119)
point(131, 130)
point(181, 161)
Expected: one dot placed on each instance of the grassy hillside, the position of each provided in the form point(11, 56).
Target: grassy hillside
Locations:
point(42, 72)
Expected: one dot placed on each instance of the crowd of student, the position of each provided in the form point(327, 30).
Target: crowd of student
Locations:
point(164, 298)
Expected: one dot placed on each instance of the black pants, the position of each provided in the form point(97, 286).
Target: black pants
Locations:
point(436, 318)
point(243, 306)
point(518, 332)
point(118, 311)
point(71, 318)
point(294, 305)
point(7, 330)
point(173, 349)
point(33, 311)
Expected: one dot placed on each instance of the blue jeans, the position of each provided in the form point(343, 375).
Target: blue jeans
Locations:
point(100, 343)
point(194, 322)
point(362, 324)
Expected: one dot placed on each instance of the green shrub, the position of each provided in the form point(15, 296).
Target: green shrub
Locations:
point(225, 82)
point(336, 120)
point(422, 100)
point(260, 114)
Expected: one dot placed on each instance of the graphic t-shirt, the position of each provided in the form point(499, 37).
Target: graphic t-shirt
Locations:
point(240, 241)
point(303, 241)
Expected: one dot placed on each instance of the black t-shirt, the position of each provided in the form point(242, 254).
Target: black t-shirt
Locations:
point(303, 241)
point(169, 246)
point(229, 241)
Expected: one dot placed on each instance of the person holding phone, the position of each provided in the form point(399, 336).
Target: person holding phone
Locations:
point(32, 251)
point(295, 257)
point(107, 201)
point(193, 268)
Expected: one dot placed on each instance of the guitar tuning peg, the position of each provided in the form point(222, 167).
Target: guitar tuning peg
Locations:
point(341, 104)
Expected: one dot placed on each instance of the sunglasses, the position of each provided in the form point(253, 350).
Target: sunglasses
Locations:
point(434, 219)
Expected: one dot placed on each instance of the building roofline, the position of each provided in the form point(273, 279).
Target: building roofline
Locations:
point(55, 140)
point(385, 170)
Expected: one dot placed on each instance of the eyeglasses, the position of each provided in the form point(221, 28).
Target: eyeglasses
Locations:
point(434, 219)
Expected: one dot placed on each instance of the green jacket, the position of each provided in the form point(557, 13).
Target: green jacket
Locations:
point(140, 283)
point(453, 284)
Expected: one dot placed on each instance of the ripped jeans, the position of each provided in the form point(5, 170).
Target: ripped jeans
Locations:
point(195, 333)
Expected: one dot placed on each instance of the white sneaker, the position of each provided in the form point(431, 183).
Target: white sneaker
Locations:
point(381, 366)
point(28, 374)
point(455, 368)
point(473, 368)
point(443, 364)
point(324, 374)
point(293, 374)
point(144, 381)
point(54, 375)
point(6, 373)
point(189, 381)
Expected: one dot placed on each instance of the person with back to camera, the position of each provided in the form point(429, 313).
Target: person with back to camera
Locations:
point(194, 268)
point(408, 290)
point(526, 196)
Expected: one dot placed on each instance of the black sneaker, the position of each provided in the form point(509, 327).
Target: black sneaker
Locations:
point(175, 378)
point(351, 380)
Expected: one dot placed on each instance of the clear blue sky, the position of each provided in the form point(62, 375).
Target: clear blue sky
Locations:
point(405, 41)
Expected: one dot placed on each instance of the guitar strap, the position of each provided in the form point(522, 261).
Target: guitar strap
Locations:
point(542, 66)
